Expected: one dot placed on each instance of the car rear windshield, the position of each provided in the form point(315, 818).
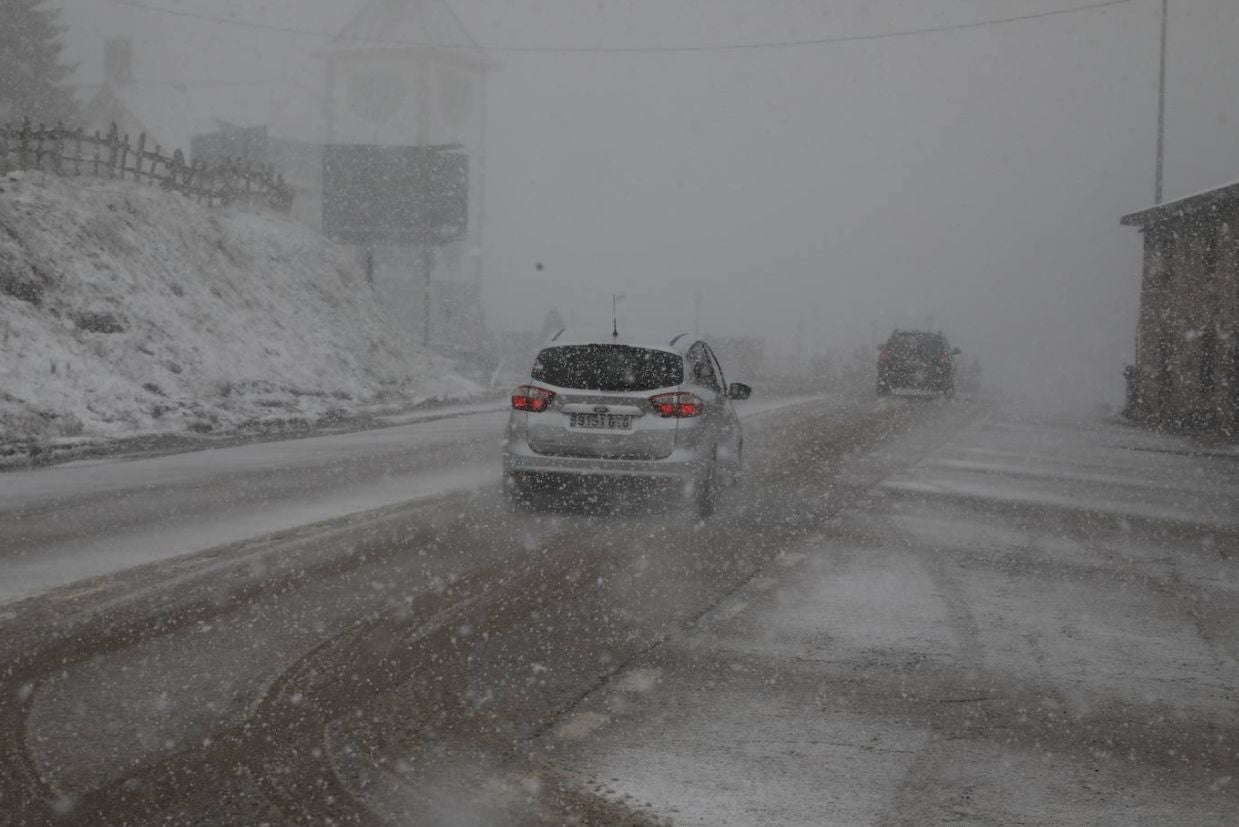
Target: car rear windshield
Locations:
point(922, 344)
point(608, 368)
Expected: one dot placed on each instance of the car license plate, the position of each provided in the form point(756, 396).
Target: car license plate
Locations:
point(610, 422)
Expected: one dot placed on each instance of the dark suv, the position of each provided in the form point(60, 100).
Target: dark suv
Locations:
point(917, 360)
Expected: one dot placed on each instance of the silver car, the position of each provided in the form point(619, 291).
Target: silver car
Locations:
point(625, 405)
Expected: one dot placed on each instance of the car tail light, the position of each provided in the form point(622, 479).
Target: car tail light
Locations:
point(532, 398)
point(677, 405)
point(883, 355)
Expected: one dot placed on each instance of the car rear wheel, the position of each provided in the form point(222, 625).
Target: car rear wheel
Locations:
point(518, 493)
point(737, 471)
point(704, 491)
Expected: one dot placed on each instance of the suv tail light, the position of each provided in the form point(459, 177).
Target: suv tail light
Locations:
point(678, 405)
point(532, 398)
point(883, 355)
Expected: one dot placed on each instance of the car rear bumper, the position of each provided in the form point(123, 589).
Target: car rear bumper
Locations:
point(928, 379)
point(682, 464)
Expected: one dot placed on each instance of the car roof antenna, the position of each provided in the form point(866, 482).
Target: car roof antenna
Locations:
point(614, 316)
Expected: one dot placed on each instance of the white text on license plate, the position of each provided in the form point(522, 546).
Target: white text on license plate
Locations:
point(613, 422)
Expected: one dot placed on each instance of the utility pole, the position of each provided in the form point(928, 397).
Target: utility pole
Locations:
point(1161, 108)
point(426, 263)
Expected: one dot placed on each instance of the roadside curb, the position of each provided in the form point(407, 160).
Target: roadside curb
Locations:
point(24, 456)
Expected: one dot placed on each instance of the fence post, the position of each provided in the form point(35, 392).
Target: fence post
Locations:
point(223, 180)
point(165, 162)
point(58, 146)
point(195, 178)
point(38, 146)
point(210, 175)
point(125, 149)
point(177, 171)
point(113, 149)
point(23, 145)
point(137, 165)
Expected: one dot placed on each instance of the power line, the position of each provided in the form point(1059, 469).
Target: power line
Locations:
point(822, 41)
point(227, 21)
point(726, 47)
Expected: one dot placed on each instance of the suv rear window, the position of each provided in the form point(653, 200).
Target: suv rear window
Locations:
point(608, 368)
point(925, 345)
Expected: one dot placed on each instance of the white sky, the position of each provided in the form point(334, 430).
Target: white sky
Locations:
point(974, 178)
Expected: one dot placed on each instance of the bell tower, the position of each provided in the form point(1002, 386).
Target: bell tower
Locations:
point(406, 75)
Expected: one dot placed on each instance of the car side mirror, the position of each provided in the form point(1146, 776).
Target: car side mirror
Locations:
point(955, 351)
point(739, 390)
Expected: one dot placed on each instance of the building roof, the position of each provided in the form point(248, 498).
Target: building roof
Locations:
point(1181, 208)
point(171, 114)
point(400, 24)
point(103, 105)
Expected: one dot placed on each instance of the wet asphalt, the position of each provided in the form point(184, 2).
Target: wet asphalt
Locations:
point(460, 660)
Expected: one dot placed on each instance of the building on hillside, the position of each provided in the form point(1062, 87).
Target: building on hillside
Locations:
point(299, 161)
point(105, 104)
point(116, 100)
point(1186, 373)
point(280, 123)
point(405, 75)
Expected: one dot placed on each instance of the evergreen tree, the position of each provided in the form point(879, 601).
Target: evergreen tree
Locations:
point(31, 72)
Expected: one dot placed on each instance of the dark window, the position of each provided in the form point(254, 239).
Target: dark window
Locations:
point(1234, 372)
point(1165, 246)
point(927, 346)
point(703, 367)
point(1208, 362)
point(1165, 377)
point(608, 368)
point(718, 366)
point(1211, 246)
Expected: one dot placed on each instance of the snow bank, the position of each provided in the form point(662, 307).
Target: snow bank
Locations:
point(126, 310)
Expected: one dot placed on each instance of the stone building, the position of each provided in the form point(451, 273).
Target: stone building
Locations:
point(1186, 373)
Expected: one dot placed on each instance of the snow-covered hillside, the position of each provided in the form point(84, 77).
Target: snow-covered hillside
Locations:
point(126, 310)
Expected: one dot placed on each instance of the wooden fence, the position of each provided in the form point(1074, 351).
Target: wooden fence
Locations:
point(63, 151)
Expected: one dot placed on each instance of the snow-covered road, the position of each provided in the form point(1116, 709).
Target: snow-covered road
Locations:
point(1034, 622)
point(82, 519)
point(912, 612)
point(140, 694)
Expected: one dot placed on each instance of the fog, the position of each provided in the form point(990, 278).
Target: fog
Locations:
point(971, 179)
